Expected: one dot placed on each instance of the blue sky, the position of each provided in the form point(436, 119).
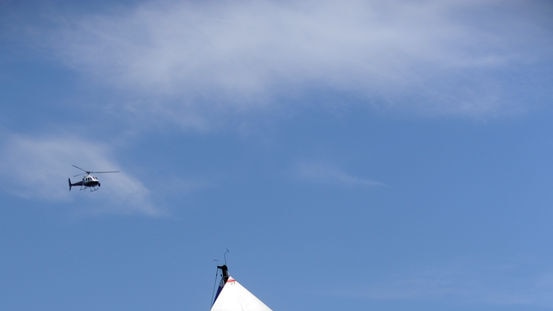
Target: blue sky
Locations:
point(390, 155)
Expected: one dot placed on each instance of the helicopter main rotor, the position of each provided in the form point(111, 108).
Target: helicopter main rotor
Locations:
point(90, 172)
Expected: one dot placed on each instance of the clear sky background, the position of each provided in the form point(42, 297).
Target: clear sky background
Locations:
point(351, 155)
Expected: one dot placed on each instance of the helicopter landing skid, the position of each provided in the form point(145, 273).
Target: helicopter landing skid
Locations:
point(92, 189)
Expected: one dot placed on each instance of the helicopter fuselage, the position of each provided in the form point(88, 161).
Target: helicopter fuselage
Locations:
point(88, 181)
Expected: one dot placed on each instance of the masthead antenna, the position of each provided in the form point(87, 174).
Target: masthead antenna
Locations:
point(225, 255)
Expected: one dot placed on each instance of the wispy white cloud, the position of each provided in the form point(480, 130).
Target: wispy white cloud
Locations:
point(193, 58)
point(468, 282)
point(37, 168)
point(324, 173)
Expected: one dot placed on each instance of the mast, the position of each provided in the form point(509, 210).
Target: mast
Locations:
point(224, 273)
point(224, 279)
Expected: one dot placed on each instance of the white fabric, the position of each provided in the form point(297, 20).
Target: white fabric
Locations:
point(235, 297)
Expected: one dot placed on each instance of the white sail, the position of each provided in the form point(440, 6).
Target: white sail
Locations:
point(235, 297)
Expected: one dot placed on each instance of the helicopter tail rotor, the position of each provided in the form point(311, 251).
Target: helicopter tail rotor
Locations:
point(70, 185)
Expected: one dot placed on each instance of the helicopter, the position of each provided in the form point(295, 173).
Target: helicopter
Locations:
point(88, 181)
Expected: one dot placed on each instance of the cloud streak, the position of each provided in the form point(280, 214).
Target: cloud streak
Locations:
point(467, 282)
point(323, 173)
point(194, 58)
point(37, 168)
